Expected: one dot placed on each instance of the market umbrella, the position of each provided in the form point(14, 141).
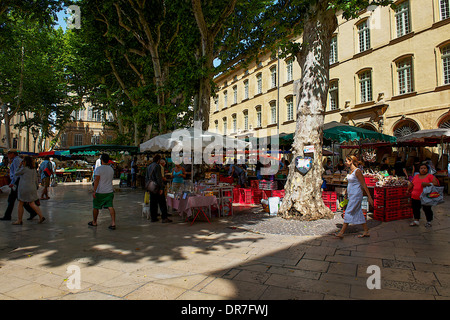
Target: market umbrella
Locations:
point(429, 135)
point(186, 138)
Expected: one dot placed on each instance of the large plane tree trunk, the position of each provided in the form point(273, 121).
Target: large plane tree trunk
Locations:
point(303, 198)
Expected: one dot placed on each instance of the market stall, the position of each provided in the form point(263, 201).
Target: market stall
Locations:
point(206, 183)
point(431, 138)
point(92, 152)
point(379, 180)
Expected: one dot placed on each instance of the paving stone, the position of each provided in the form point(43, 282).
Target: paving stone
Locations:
point(245, 256)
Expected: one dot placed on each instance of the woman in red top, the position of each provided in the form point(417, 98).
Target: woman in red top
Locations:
point(421, 180)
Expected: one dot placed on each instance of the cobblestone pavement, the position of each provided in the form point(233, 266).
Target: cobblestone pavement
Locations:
point(249, 256)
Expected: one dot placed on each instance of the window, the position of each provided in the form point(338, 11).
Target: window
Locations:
point(95, 139)
point(63, 140)
point(365, 85)
point(225, 124)
point(258, 117)
point(334, 94)
point(289, 70)
point(216, 102)
point(445, 54)
point(234, 122)
point(290, 108)
point(404, 76)
point(273, 77)
point(216, 125)
point(273, 112)
point(444, 9)
point(245, 120)
point(246, 89)
point(235, 94)
point(225, 99)
point(364, 36)
point(259, 83)
point(78, 140)
point(333, 51)
point(402, 19)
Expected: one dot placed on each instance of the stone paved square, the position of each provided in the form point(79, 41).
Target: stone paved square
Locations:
point(248, 256)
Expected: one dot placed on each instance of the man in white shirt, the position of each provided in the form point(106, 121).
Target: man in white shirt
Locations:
point(103, 191)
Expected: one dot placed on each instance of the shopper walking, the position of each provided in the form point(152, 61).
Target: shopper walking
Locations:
point(46, 171)
point(103, 193)
point(355, 187)
point(27, 190)
point(421, 180)
point(14, 163)
point(158, 197)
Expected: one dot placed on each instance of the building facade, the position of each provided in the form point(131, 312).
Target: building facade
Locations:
point(88, 128)
point(22, 139)
point(389, 72)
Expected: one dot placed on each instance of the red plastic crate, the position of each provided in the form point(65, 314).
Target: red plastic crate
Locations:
point(256, 200)
point(267, 194)
point(278, 193)
point(236, 195)
point(229, 180)
point(370, 182)
point(390, 193)
point(332, 205)
point(246, 196)
point(257, 193)
point(254, 184)
point(388, 214)
point(329, 196)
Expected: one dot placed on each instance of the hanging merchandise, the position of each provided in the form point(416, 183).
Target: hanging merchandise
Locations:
point(369, 156)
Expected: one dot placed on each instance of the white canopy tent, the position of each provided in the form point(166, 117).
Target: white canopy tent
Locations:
point(192, 140)
point(440, 135)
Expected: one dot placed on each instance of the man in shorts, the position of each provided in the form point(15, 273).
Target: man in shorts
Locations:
point(103, 191)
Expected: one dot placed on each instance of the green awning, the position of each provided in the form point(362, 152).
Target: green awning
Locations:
point(104, 148)
point(340, 133)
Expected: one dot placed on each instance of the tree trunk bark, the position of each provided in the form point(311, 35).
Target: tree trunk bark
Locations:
point(303, 196)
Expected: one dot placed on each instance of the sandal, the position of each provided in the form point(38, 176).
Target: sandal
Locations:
point(41, 220)
point(338, 235)
point(364, 235)
point(112, 227)
point(91, 223)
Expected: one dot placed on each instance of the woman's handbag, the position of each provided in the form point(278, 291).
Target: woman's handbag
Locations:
point(432, 196)
point(152, 186)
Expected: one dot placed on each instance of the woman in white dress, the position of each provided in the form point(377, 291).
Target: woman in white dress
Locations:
point(355, 187)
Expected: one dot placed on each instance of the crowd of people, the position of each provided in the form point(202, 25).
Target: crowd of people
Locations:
point(23, 174)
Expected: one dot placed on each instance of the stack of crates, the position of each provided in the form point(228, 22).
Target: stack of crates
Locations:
point(391, 203)
point(245, 196)
point(236, 195)
point(330, 200)
point(257, 195)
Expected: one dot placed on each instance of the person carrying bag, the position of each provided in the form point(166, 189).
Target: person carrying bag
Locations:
point(423, 184)
point(155, 185)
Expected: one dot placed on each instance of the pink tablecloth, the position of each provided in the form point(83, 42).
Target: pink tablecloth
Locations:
point(186, 205)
